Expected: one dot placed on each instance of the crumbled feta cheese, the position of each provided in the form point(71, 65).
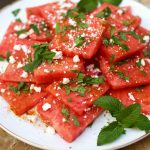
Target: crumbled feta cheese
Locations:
point(25, 49)
point(63, 120)
point(24, 74)
point(46, 106)
point(20, 65)
point(146, 38)
point(142, 62)
point(3, 90)
point(31, 31)
point(91, 16)
point(17, 47)
point(66, 80)
point(131, 96)
point(3, 67)
point(17, 28)
point(72, 22)
point(50, 130)
point(46, 70)
point(120, 11)
point(12, 60)
point(37, 89)
point(23, 36)
point(76, 59)
point(32, 87)
point(58, 54)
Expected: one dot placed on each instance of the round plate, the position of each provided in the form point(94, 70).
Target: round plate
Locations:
point(35, 134)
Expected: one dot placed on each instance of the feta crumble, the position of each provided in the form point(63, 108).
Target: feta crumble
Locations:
point(66, 80)
point(24, 74)
point(12, 60)
point(131, 96)
point(46, 106)
point(58, 54)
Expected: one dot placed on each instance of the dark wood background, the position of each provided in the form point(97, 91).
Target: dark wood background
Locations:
point(5, 2)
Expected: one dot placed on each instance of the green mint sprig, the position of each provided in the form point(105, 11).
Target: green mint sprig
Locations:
point(125, 118)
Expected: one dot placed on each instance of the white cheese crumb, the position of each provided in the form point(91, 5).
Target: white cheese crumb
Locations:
point(3, 67)
point(76, 59)
point(23, 36)
point(46, 70)
point(17, 28)
point(37, 89)
point(20, 65)
point(63, 120)
point(72, 22)
point(17, 47)
point(12, 60)
point(24, 74)
point(120, 11)
point(46, 106)
point(146, 38)
point(142, 62)
point(50, 130)
point(66, 80)
point(25, 49)
point(3, 90)
point(131, 96)
point(58, 54)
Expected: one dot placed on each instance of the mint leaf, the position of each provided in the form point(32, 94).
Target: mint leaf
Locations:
point(1, 58)
point(87, 5)
point(105, 13)
point(21, 31)
point(143, 123)
point(7, 56)
point(16, 12)
point(35, 29)
point(65, 112)
point(76, 121)
point(113, 105)
point(110, 133)
point(146, 53)
point(90, 80)
point(113, 2)
point(57, 28)
point(129, 115)
point(79, 40)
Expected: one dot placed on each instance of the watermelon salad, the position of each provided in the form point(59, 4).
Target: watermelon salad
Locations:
point(68, 60)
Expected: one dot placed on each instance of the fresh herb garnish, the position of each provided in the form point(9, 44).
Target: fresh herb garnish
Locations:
point(66, 113)
point(82, 25)
point(57, 28)
point(16, 12)
point(112, 57)
point(41, 55)
point(139, 63)
point(18, 20)
point(127, 22)
point(146, 53)
point(113, 2)
point(79, 40)
point(105, 13)
point(7, 56)
point(21, 31)
point(21, 87)
point(76, 121)
point(35, 29)
point(69, 99)
point(1, 58)
point(120, 74)
point(125, 118)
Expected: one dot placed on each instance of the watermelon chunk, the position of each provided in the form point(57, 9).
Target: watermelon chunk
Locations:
point(21, 103)
point(139, 95)
point(84, 42)
point(128, 73)
point(71, 129)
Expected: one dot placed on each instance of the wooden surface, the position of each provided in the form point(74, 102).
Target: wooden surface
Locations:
point(7, 142)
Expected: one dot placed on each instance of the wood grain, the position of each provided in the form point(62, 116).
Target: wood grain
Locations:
point(8, 142)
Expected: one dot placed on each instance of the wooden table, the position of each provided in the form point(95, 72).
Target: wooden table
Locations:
point(8, 142)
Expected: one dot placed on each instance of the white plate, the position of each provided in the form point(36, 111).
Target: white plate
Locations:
point(35, 135)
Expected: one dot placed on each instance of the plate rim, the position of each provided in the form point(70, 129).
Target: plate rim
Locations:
point(36, 145)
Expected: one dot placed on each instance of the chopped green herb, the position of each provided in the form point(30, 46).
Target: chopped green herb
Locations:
point(16, 12)
point(35, 29)
point(48, 34)
point(1, 58)
point(139, 63)
point(82, 25)
point(69, 99)
point(105, 13)
point(76, 121)
point(18, 20)
point(57, 28)
point(7, 56)
point(143, 73)
point(146, 53)
point(122, 75)
point(112, 57)
point(66, 113)
point(90, 80)
point(112, 30)
point(21, 87)
point(21, 31)
point(80, 89)
point(79, 40)
point(127, 22)
point(41, 55)
point(106, 42)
